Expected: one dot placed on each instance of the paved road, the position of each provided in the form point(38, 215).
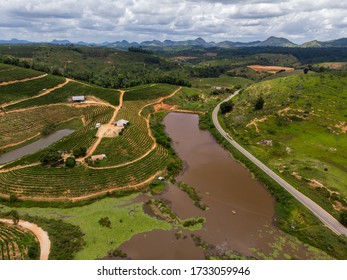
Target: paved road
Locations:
point(318, 211)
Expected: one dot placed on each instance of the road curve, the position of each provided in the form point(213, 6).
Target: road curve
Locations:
point(41, 235)
point(318, 211)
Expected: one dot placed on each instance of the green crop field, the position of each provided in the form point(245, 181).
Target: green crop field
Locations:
point(40, 181)
point(305, 119)
point(222, 81)
point(18, 126)
point(11, 73)
point(28, 89)
point(64, 94)
point(16, 243)
point(149, 92)
point(84, 136)
point(135, 140)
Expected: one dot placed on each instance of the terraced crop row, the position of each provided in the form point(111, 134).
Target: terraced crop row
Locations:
point(39, 181)
point(82, 137)
point(11, 73)
point(148, 92)
point(18, 126)
point(63, 95)
point(14, 242)
point(28, 89)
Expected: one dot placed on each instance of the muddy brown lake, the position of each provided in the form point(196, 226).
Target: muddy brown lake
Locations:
point(241, 210)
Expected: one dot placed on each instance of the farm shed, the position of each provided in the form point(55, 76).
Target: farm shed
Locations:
point(98, 157)
point(79, 98)
point(122, 123)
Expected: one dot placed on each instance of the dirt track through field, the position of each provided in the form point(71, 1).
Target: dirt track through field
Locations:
point(97, 143)
point(48, 91)
point(22, 81)
point(149, 134)
point(20, 142)
point(41, 235)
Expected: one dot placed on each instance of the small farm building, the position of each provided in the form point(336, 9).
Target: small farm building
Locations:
point(98, 157)
point(79, 98)
point(122, 123)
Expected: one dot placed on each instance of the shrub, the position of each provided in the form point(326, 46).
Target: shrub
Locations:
point(227, 107)
point(51, 157)
point(80, 152)
point(70, 162)
point(49, 128)
point(105, 222)
point(259, 104)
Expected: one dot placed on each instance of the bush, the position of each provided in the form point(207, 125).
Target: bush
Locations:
point(105, 222)
point(49, 128)
point(13, 198)
point(227, 107)
point(259, 104)
point(343, 217)
point(80, 152)
point(70, 162)
point(51, 157)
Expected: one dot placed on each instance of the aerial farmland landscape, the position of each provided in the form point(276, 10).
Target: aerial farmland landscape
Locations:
point(148, 144)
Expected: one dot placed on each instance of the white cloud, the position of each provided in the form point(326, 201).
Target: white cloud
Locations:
point(135, 20)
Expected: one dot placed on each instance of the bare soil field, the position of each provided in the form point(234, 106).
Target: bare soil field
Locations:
point(269, 69)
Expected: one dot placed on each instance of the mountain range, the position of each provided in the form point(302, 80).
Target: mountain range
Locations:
point(199, 42)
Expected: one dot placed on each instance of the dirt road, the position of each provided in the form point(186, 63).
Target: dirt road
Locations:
point(41, 235)
point(24, 80)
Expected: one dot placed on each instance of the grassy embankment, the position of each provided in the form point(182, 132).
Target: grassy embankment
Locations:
point(305, 118)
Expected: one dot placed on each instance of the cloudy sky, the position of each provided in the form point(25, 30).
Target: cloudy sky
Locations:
point(139, 20)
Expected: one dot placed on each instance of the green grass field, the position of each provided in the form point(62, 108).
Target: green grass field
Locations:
point(305, 116)
point(127, 219)
point(221, 81)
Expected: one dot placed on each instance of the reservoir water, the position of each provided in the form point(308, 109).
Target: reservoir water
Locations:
point(241, 211)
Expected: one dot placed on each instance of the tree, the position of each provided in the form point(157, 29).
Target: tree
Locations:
point(51, 157)
point(48, 128)
point(227, 107)
point(343, 217)
point(306, 70)
point(259, 104)
point(105, 222)
point(80, 152)
point(15, 216)
point(70, 162)
point(13, 198)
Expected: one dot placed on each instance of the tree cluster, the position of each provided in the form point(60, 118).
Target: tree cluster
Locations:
point(227, 106)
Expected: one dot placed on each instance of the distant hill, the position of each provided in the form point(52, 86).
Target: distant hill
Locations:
point(199, 42)
point(327, 44)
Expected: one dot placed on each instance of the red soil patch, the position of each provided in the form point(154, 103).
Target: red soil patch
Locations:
point(163, 107)
point(211, 54)
point(269, 69)
point(184, 58)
